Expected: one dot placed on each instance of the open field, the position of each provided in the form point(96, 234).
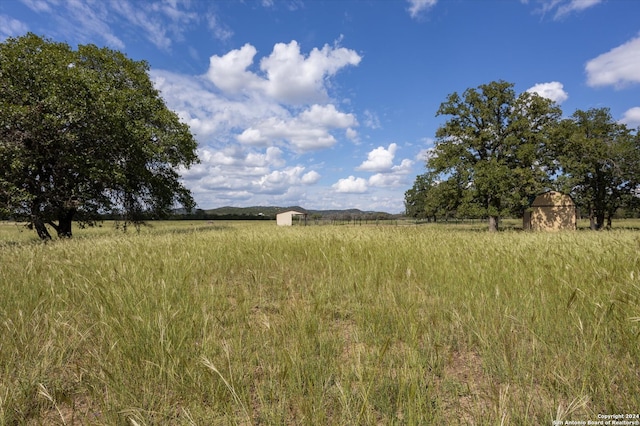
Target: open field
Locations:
point(246, 323)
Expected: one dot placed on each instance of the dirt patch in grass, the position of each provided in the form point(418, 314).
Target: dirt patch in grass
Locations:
point(77, 411)
point(462, 387)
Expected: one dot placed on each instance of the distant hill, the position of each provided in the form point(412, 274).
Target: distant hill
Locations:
point(273, 210)
point(270, 212)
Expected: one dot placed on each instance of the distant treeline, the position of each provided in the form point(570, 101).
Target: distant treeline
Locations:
point(199, 214)
point(312, 216)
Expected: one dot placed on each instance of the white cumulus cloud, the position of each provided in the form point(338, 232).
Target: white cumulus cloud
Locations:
point(229, 72)
point(553, 90)
point(293, 78)
point(379, 159)
point(327, 116)
point(384, 179)
point(403, 168)
point(394, 177)
point(250, 127)
point(310, 178)
point(424, 154)
point(352, 135)
point(213, 117)
point(279, 181)
point(310, 130)
point(632, 117)
point(618, 67)
point(288, 76)
point(350, 185)
point(387, 174)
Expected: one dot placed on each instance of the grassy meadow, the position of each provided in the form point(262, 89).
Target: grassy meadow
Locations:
point(245, 323)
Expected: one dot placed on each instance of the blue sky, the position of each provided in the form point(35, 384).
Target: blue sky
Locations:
point(332, 104)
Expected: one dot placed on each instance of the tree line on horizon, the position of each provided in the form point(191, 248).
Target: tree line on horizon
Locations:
point(498, 150)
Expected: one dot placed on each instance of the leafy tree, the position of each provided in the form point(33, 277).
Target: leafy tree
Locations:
point(494, 146)
point(431, 199)
point(600, 162)
point(415, 198)
point(84, 132)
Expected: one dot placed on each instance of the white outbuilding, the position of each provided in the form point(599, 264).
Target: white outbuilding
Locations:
point(286, 218)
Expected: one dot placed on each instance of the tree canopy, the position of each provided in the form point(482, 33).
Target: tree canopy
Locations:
point(498, 150)
point(600, 163)
point(84, 132)
point(493, 147)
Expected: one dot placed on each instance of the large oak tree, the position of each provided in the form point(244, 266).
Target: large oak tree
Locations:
point(600, 163)
point(495, 147)
point(84, 132)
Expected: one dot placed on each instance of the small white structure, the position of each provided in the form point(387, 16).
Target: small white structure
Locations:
point(286, 218)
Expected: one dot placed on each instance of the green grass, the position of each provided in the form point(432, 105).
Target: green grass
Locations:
point(248, 323)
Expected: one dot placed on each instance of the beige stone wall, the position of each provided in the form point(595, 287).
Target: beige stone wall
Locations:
point(553, 218)
point(551, 211)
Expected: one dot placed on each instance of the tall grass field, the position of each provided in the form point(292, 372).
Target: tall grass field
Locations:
point(248, 323)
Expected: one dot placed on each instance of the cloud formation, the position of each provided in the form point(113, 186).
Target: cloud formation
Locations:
point(351, 185)
point(279, 181)
point(632, 117)
point(562, 8)
point(288, 76)
point(308, 131)
point(235, 173)
point(618, 67)
point(380, 159)
point(387, 174)
point(160, 22)
point(253, 120)
point(416, 7)
point(10, 27)
point(553, 90)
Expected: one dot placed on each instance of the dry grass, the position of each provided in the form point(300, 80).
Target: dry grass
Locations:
point(247, 323)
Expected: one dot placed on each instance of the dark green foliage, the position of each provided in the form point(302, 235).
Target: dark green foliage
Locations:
point(82, 133)
point(600, 161)
point(498, 150)
point(492, 151)
point(433, 200)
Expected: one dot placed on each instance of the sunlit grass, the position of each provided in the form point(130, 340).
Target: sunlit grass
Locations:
point(248, 323)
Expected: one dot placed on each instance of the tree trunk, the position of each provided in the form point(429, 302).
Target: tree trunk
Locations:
point(599, 220)
point(596, 218)
point(493, 223)
point(40, 228)
point(65, 219)
point(599, 203)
